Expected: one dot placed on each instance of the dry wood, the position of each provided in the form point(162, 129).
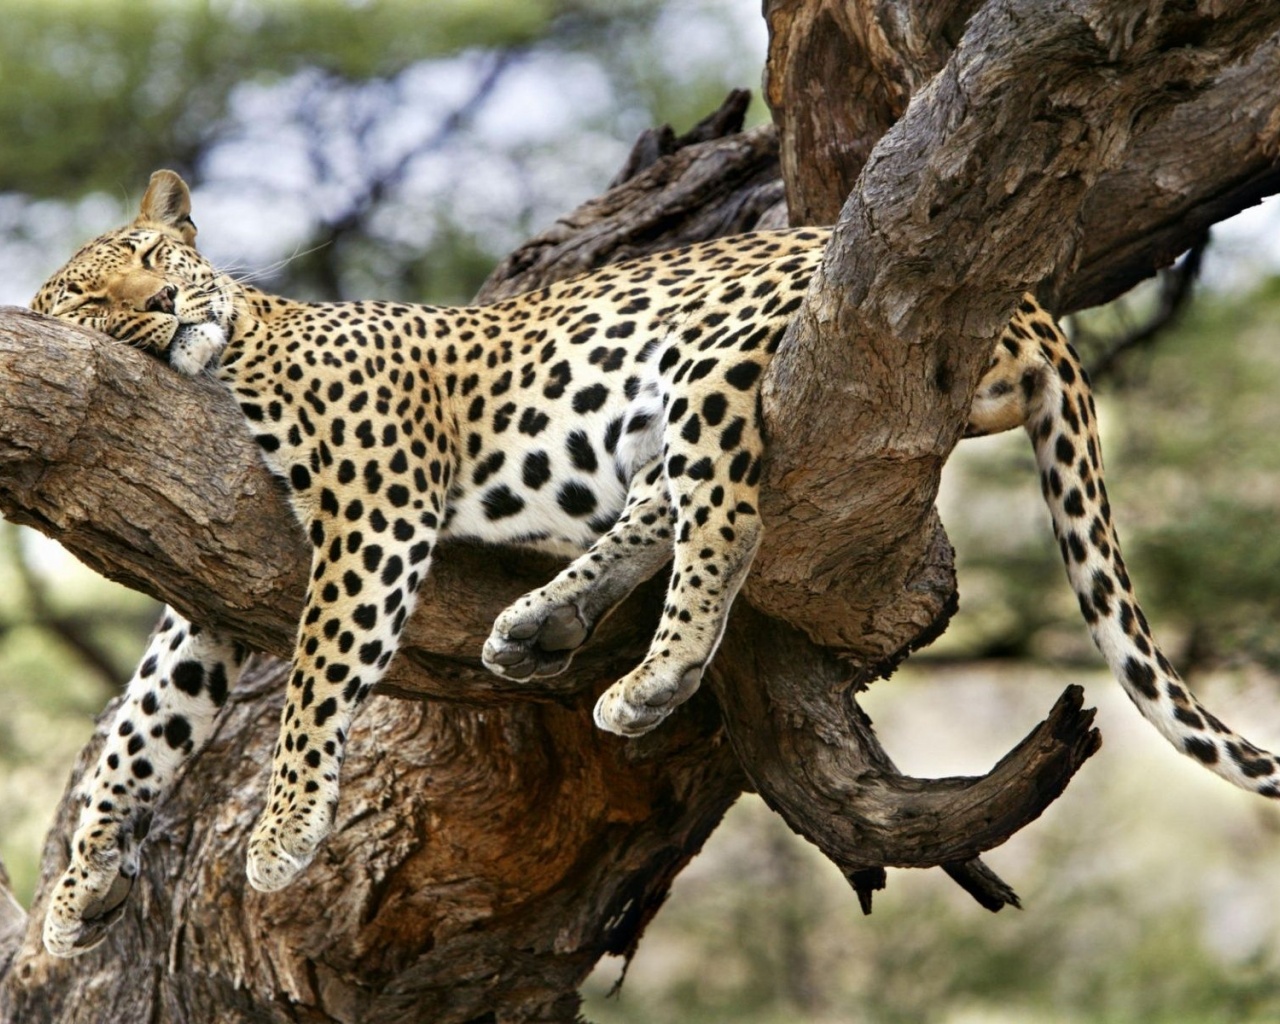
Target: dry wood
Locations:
point(1195, 137)
point(973, 197)
point(483, 861)
point(863, 62)
point(815, 761)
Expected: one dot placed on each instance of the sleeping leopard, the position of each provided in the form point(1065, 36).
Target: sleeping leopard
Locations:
point(613, 419)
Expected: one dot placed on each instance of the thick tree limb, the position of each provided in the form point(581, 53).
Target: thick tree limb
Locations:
point(1196, 140)
point(865, 61)
point(815, 760)
point(1205, 149)
point(973, 197)
point(482, 861)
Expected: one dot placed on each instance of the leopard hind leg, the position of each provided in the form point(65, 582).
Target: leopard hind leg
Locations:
point(537, 635)
point(166, 716)
point(712, 449)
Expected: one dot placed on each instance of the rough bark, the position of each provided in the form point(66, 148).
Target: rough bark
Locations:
point(976, 195)
point(1194, 140)
point(839, 75)
point(487, 855)
point(482, 862)
point(790, 712)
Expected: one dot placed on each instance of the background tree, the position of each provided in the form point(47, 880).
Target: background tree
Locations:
point(332, 986)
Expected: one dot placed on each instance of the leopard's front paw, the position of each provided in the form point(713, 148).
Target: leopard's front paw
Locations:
point(88, 900)
point(639, 701)
point(282, 846)
point(534, 639)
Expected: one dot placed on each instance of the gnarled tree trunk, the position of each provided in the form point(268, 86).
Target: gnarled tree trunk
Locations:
point(491, 845)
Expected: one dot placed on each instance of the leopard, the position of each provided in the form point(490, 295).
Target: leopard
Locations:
point(614, 420)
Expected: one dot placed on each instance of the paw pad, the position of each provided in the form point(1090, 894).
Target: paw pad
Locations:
point(530, 639)
point(85, 905)
point(281, 848)
point(634, 705)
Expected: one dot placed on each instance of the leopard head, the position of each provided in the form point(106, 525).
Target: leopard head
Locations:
point(146, 285)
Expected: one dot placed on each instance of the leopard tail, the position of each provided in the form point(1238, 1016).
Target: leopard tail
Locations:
point(1063, 428)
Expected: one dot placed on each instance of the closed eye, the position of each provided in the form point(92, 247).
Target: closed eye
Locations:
point(86, 305)
point(147, 256)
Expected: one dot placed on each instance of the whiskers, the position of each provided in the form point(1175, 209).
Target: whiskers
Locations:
point(252, 275)
point(218, 286)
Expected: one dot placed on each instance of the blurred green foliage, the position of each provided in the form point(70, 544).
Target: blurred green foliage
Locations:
point(92, 92)
point(1202, 440)
point(382, 139)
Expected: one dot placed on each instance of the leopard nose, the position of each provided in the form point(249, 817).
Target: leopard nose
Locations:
point(162, 301)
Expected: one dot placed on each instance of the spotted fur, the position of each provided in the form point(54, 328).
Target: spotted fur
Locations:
point(166, 715)
point(615, 417)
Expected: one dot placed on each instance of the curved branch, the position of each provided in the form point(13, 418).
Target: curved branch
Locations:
point(88, 432)
point(975, 195)
point(210, 534)
point(808, 749)
point(1199, 143)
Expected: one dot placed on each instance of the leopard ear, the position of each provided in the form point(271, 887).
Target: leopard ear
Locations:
point(167, 205)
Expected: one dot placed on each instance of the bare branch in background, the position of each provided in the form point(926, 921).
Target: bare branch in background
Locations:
point(327, 252)
point(76, 632)
point(1175, 288)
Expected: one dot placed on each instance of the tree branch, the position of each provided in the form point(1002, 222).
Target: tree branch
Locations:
point(1176, 287)
point(705, 190)
point(881, 53)
point(809, 751)
point(88, 429)
point(974, 196)
point(1199, 144)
